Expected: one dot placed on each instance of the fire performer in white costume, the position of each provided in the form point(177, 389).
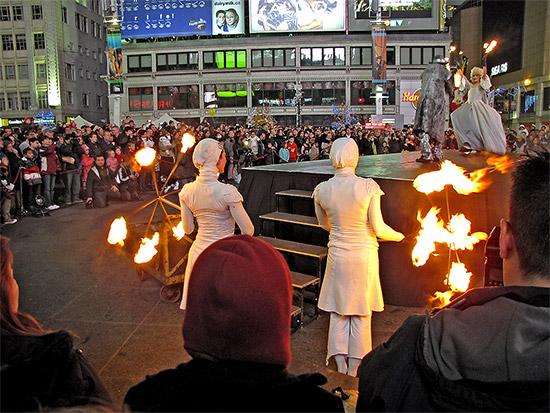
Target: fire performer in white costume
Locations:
point(216, 206)
point(349, 207)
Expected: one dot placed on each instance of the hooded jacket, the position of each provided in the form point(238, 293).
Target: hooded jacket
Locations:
point(486, 351)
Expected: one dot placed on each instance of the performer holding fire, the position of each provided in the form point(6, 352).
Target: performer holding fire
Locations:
point(477, 125)
point(217, 206)
point(349, 207)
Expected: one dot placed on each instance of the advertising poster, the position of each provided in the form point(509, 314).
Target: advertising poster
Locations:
point(364, 9)
point(296, 15)
point(379, 52)
point(167, 18)
point(114, 59)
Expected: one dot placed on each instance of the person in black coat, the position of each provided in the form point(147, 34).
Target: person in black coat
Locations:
point(100, 186)
point(71, 151)
point(41, 370)
point(237, 329)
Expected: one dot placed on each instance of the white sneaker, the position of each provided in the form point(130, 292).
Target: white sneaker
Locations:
point(52, 207)
point(11, 221)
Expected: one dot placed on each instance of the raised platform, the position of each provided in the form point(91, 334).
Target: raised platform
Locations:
point(402, 283)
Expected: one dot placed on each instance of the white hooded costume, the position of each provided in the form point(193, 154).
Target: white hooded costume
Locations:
point(349, 207)
point(216, 206)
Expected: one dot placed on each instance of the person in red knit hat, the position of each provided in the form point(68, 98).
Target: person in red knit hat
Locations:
point(237, 331)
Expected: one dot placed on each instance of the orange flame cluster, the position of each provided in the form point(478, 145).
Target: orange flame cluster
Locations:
point(458, 280)
point(118, 232)
point(187, 141)
point(147, 249)
point(178, 231)
point(450, 174)
point(489, 47)
point(145, 156)
point(433, 230)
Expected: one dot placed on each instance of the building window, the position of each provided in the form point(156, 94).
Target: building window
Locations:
point(81, 22)
point(41, 70)
point(273, 94)
point(361, 93)
point(70, 98)
point(94, 54)
point(178, 97)
point(81, 72)
point(324, 93)
point(101, 55)
point(64, 15)
point(17, 12)
point(10, 72)
point(5, 15)
point(39, 42)
point(13, 102)
point(7, 42)
point(95, 76)
point(420, 55)
point(25, 100)
point(80, 50)
point(99, 101)
point(69, 71)
point(2, 102)
point(43, 100)
point(274, 58)
point(140, 63)
point(230, 95)
point(178, 61)
point(141, 99)
point(21, 41)
point(23, 71)
point(85, 99)
point(88, 76)
point(322, 56)
point(361, 56)
point(221, 60)
point(36, 11)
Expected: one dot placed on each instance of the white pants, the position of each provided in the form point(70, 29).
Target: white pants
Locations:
point(349, 335)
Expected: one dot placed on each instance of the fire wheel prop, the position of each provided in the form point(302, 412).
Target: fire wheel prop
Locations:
point(162, 254)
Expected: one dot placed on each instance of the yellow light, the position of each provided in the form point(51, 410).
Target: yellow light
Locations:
point(461, 52)
point(452, 48)
point(145, 156)
point(485, 45)
point(187, 141)
point(527, 82)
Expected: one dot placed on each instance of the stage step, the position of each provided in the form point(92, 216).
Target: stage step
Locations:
point(298, 314)
point(297, 193)
point(298, 248)
point(287, 218)
point(301, 281)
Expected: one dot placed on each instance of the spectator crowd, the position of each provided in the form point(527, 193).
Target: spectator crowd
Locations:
point(42, 168)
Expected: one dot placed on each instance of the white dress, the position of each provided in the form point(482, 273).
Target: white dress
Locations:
point(477, 123)
point(209, 201)
point(352, 284)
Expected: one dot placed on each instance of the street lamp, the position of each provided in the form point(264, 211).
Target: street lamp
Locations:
point(298, 95)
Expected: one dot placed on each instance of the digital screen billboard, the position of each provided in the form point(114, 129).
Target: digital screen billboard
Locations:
point(296, 15)
point(401, 14)
point(166, 18)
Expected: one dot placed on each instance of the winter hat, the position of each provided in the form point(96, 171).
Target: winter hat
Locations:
point(239, 303)
point(344, 153)
point(85, 147)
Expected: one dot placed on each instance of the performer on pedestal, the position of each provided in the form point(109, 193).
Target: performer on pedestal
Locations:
point(217, 206)
point(477, 125)
point(429, 123)
point(349, 207)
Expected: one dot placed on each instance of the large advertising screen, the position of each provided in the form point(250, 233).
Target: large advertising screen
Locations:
point(296, 15)
point(166, 18)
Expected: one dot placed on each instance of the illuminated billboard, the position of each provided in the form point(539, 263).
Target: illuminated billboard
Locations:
point(296, 15)
point(167, 18)
point(400, 14)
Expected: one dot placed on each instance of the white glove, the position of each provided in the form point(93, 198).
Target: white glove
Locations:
point(10, 187)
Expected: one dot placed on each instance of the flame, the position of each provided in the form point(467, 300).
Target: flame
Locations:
point(147, 249)
point(451, 174)
point(442, 298)
point(503, 164)
point(490, 47)
point(145, 156)
point(455, 235)
point(178, 231)
point(458, 280)
point(118, 231)
point(187, 141)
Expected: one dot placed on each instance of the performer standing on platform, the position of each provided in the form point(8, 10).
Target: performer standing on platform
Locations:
point(349, 207)
point(429, 122)
point(477, 125)
point(216, 206)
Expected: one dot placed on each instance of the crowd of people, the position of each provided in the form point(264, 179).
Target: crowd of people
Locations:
point(45, 167)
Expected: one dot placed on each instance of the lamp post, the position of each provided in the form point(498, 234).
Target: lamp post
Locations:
point(298, 95)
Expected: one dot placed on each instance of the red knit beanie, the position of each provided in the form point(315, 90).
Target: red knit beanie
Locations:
point(239, 302)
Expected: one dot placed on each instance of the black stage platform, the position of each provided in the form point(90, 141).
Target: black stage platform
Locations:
point(402, 283)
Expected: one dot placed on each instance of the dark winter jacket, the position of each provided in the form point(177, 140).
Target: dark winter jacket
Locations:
point(95, 149)
point(99, 180)
point(40, 372)
point(203, 385)
point(486, 351)
point(73, 149)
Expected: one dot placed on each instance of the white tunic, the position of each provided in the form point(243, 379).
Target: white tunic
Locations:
point(351, 285)
point(209, 201)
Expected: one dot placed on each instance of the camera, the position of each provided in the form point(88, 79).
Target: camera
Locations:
point(493, 263)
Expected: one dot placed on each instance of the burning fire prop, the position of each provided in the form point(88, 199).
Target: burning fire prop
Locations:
point(148, 247)
point(456, 233)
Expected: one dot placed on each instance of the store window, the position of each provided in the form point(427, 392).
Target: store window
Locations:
point(361, 93)
point(141, 99)
point(224, 60)
point(324, 93)
point(178, 61)
point(229, 95)
point(419, 55)
point(178, 97)
point(322, 56)
point(273, 94)
point(274, 58)
point(140, 63)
